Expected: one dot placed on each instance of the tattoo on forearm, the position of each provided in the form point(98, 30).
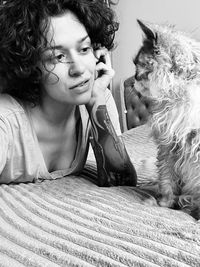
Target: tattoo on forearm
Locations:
point(114, 166)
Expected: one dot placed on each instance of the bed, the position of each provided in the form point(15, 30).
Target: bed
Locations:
point(73, 222)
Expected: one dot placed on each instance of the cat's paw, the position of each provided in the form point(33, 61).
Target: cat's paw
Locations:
point(188, 205)
point(166, 202)
point(195, 213)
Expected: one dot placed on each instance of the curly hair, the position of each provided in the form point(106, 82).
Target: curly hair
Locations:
point(23, 25)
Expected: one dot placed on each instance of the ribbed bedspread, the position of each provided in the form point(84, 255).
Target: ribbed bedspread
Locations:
point(73, 222)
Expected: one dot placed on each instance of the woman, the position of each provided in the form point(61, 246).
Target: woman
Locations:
point(55, 75)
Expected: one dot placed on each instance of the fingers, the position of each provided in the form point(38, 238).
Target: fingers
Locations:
point(102, 55)
point(104, 65)
point(102, 68)
point(100, 52)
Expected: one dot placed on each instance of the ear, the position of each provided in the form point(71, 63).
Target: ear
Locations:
point(150, 35)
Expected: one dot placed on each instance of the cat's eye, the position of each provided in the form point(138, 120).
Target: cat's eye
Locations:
point(156, 51)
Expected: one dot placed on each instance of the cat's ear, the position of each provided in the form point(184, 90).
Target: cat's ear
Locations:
point(150, 35)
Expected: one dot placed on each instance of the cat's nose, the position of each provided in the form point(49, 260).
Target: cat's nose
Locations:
point(138, 77)
point(141, 76)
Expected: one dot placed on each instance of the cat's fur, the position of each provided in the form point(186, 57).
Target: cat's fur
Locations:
point(168, 69)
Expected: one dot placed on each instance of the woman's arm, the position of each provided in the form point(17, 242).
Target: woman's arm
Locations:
point(114, 166)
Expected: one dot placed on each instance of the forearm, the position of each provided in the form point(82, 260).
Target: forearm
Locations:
point(114, 166)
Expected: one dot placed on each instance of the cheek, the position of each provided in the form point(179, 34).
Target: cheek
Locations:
point(54, 74)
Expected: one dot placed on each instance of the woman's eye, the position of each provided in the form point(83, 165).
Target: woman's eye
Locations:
point(60, 57)
point(55, 59)
point(86, 49)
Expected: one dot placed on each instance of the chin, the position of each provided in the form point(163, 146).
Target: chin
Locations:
point(83, 99)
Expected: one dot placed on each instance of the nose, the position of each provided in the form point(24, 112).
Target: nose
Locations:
point(77, 67)
point(141, 76)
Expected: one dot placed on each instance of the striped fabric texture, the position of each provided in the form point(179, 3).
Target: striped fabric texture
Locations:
point(73, 222)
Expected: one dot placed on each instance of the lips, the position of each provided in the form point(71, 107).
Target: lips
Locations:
point(79, 84)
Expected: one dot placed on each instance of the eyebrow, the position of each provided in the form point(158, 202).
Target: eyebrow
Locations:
point(62, 47)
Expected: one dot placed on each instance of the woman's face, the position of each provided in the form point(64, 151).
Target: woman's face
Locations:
point(69, 63)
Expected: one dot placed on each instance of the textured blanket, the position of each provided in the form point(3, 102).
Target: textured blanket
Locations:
point(73, 222)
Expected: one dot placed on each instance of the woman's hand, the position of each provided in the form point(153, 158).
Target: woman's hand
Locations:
point(103, 76)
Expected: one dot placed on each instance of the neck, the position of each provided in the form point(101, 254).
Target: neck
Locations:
point(54, 113)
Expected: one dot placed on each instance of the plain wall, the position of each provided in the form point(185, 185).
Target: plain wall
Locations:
point(184, 14)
